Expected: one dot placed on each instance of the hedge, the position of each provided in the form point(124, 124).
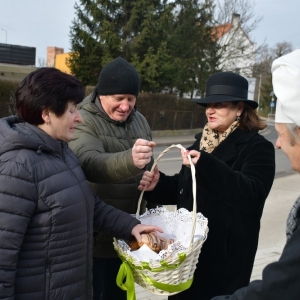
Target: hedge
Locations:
point(163, 111)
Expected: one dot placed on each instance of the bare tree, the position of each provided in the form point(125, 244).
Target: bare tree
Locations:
point(262, 70)
point(235, 21)
point(281, 49)
point(41, 62)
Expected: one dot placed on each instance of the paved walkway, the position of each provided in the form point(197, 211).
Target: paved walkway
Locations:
point(283, 194)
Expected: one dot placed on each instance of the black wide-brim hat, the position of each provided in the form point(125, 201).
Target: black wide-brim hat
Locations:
point(226, 87)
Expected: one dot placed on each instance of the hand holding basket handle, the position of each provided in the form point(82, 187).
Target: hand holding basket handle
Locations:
point(172, 274)
point(151, 178)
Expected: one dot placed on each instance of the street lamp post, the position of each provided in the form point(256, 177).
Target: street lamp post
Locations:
point(258, 100)
point(5, 34)
point(272, 104)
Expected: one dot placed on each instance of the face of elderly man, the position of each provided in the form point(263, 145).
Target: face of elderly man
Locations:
point(288, 146)
point(118, 107)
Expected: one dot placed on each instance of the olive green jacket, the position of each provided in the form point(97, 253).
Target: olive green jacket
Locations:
point(104, 149)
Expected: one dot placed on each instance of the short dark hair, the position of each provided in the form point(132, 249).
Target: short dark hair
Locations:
point(250, 120)
point(46, 88)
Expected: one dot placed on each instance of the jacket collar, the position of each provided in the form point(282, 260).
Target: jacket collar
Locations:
point(227, 149)
point(16, 135)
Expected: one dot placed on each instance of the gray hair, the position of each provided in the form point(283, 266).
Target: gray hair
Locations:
point(294, 132)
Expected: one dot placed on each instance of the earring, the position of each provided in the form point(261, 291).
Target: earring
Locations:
point(238, 118)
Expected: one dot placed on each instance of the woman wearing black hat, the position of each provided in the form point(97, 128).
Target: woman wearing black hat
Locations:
point(235, 168)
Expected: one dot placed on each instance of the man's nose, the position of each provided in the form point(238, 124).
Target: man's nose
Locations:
point(125, 105)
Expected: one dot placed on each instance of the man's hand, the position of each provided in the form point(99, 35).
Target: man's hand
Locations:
point(142, 153)
point(141, 228)
point(149, 180)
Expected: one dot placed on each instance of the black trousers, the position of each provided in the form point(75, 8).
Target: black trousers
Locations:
point(105, 272)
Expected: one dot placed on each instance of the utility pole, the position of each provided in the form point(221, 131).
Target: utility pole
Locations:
point(258, 100)
point(5, 34)
point(272, 104)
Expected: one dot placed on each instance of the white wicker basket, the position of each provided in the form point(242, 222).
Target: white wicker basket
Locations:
point(168, 276)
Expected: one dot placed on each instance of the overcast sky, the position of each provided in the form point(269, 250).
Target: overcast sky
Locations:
point(44, 23)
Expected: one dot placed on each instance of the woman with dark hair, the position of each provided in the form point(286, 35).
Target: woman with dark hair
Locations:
point(235, 168)
point(47, 208)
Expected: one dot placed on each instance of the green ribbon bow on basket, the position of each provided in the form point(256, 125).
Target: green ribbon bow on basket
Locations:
point(125, 278)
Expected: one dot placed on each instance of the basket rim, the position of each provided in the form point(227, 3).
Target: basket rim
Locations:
point(169, 262)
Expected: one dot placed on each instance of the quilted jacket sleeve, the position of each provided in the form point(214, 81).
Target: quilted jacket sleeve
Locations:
point(100, 166)
point(112, 220)
point(18, 196)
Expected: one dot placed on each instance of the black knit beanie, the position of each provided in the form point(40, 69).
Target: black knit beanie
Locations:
point(118, 77)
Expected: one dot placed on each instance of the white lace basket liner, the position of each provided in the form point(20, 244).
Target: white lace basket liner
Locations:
point(173, 272)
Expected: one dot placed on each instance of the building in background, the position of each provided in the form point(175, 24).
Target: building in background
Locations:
point(237, 50)
point(16, 61)
point(61, 62)
point(52, 52)
point(58, 59)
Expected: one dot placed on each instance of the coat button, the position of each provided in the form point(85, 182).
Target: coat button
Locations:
point(181, 191)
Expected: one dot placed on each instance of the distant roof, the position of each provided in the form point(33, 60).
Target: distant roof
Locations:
point(220, 30)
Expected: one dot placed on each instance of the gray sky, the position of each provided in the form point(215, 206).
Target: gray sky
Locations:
point(43, 23)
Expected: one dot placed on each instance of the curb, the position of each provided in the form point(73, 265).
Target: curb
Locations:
point(175, 133)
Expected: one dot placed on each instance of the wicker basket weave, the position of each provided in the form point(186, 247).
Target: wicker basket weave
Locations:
point(169, 276)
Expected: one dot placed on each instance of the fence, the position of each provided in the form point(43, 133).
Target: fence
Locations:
point(162, 111)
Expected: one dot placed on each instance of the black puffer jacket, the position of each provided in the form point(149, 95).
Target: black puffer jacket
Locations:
point(47, 211)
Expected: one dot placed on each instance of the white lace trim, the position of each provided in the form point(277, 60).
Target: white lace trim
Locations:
point(176, 225)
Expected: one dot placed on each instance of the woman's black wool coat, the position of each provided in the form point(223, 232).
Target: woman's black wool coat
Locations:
point(233, 183)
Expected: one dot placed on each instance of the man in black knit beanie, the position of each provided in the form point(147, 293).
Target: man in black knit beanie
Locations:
point(113, 144)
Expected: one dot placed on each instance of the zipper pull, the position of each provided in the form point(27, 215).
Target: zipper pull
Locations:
point(40, 149)
point(48, 272)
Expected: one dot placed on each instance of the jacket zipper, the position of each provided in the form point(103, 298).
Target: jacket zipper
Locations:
point(88, 231)
point(48, 276)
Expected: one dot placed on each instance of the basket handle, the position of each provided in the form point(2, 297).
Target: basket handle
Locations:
point(193, 187)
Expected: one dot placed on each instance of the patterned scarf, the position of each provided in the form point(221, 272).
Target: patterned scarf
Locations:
point(211, 138)
point(292, 219)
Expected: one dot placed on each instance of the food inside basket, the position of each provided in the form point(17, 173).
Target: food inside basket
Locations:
point(153, 241)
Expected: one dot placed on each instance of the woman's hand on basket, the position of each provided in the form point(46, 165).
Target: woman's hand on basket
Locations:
point(141, 228)
point(149, 180)
point(195, 155)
